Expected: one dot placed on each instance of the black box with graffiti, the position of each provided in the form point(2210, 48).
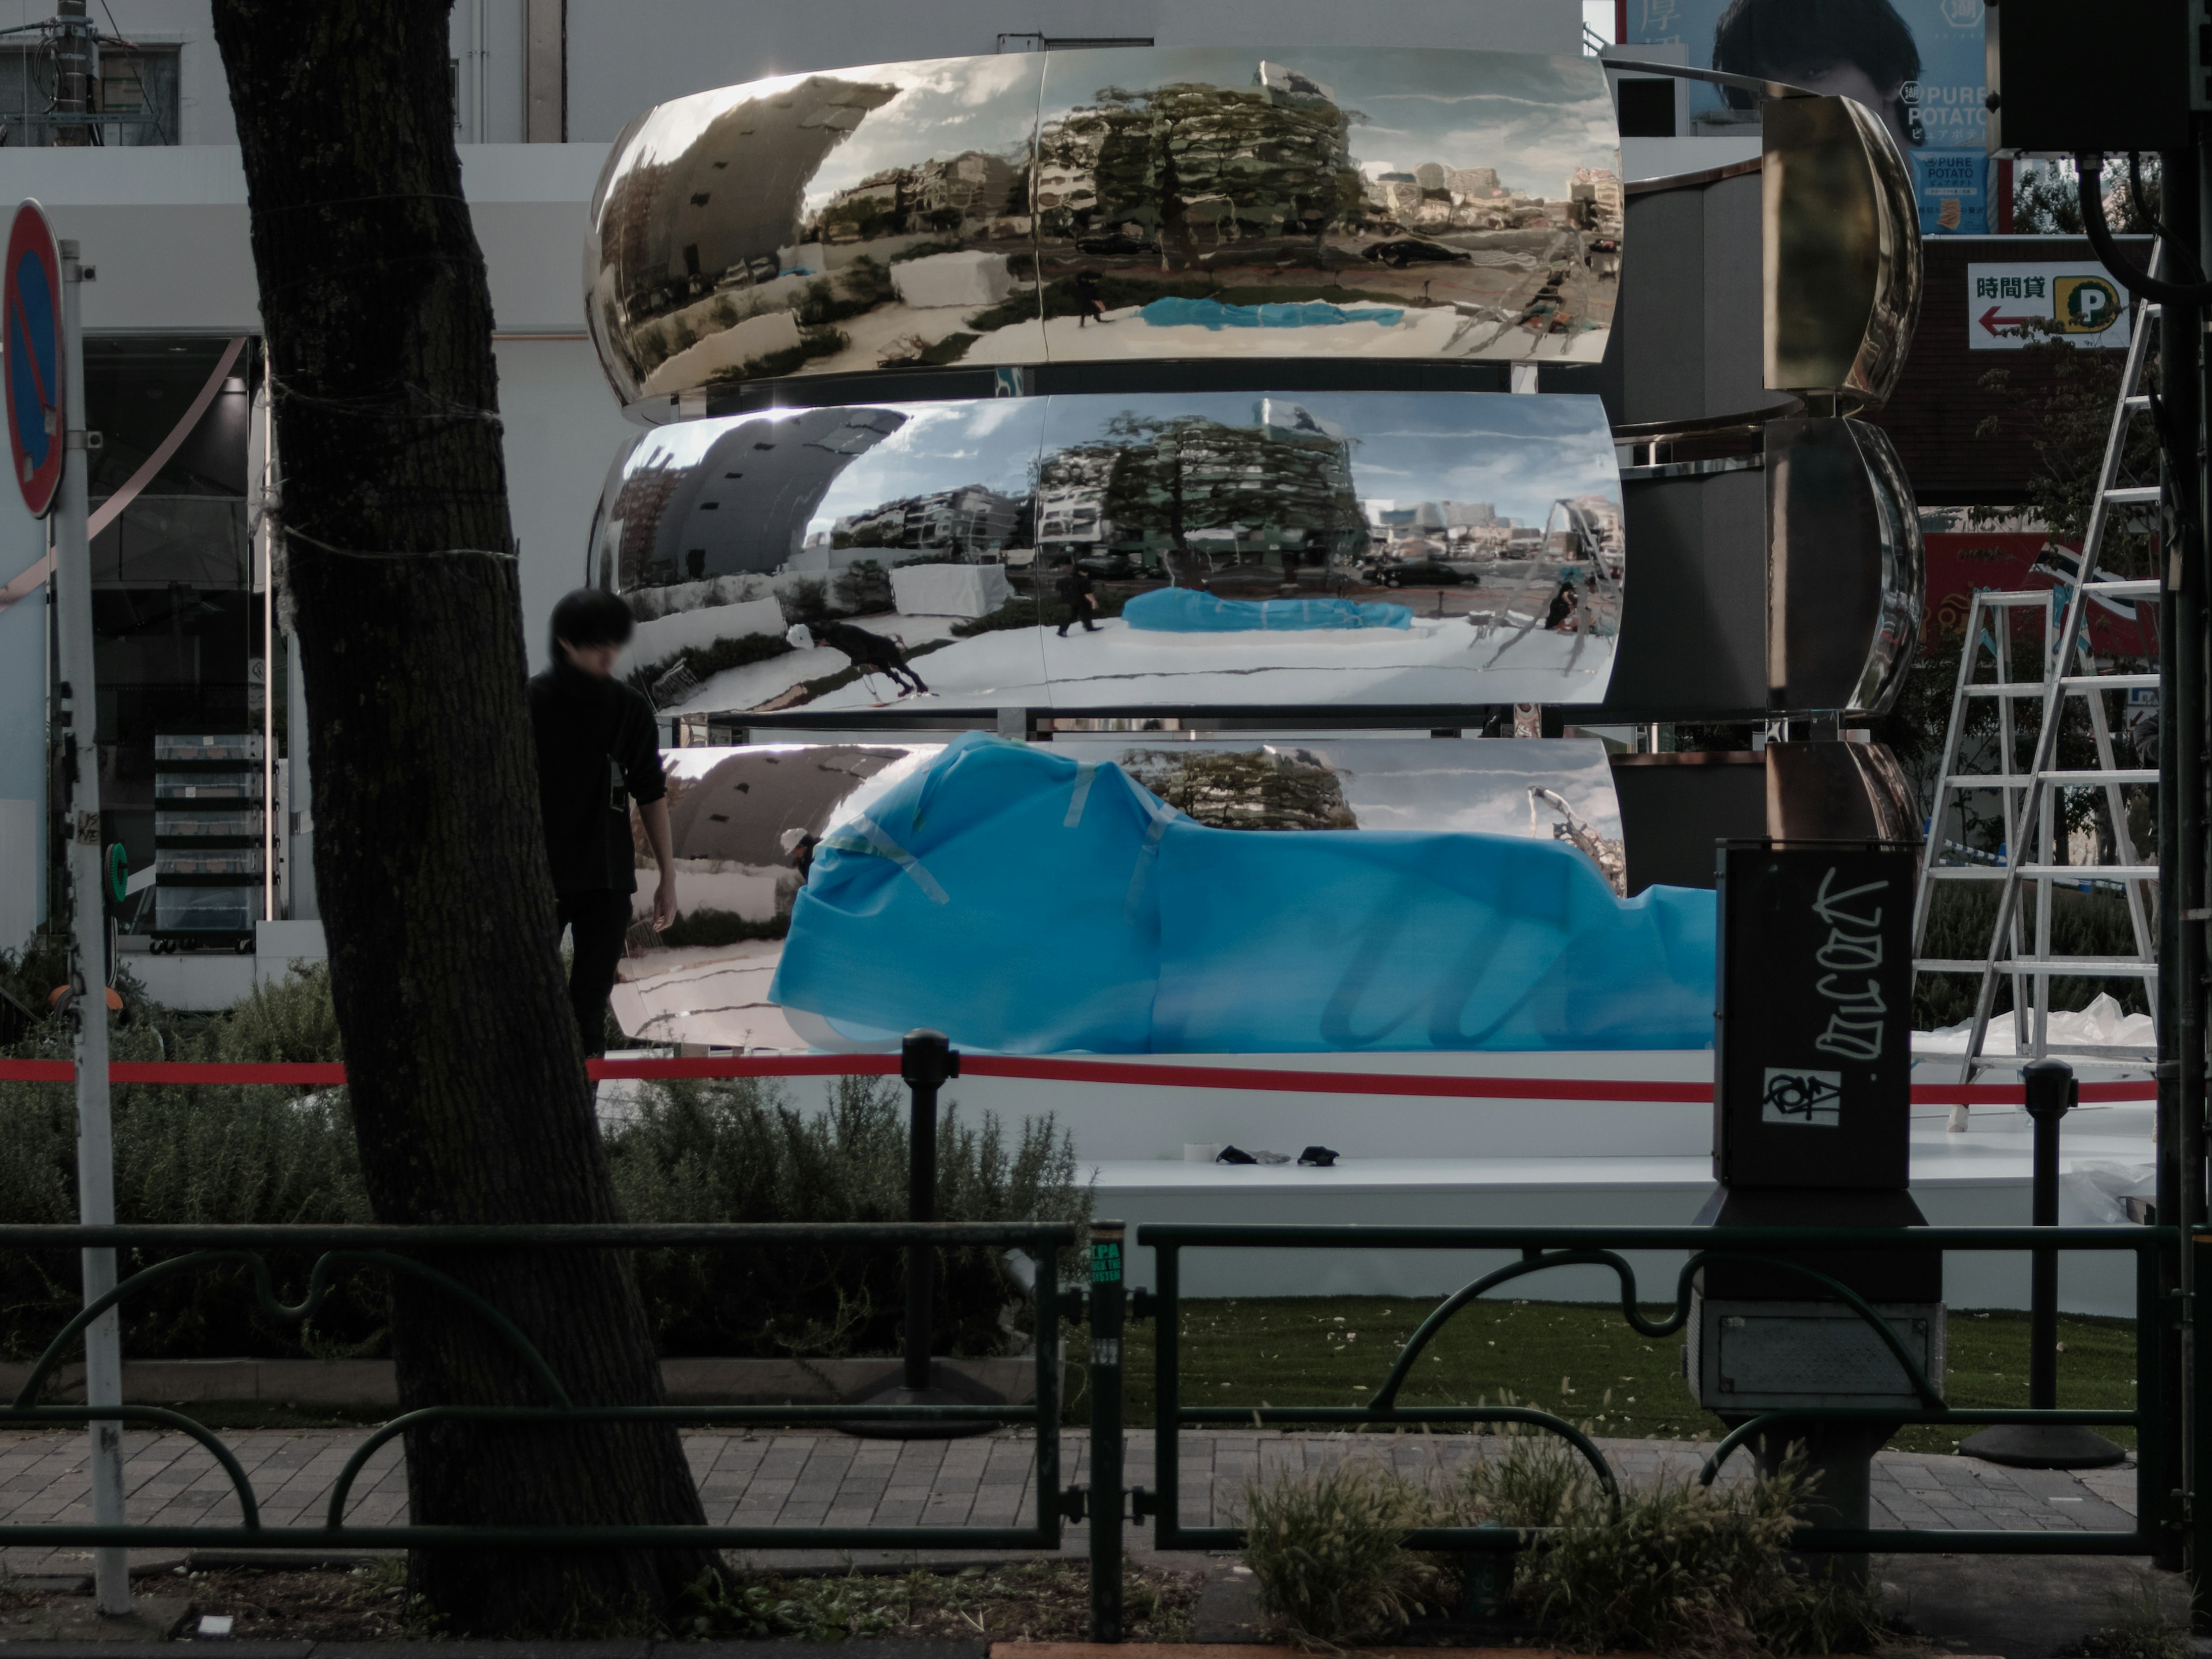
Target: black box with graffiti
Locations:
point(1813, 1034)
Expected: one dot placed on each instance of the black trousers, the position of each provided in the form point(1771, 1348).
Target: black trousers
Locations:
point(596, 922)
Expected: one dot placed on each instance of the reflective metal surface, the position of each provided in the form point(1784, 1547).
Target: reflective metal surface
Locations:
point(1377, 548)
point(1841, 250)
point(1839, 791)
point(746, 821)
point(1846, 578)
point(1110, 205)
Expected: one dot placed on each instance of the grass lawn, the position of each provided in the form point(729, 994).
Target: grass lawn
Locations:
point(1578, 1359)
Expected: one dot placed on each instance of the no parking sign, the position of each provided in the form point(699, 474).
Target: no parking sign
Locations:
point(31, 307)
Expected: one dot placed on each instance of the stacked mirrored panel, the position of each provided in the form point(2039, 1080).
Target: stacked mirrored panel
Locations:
point(1110, 206)
point(1408, 548)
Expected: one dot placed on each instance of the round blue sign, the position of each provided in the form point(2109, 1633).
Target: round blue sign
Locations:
point(31, 327)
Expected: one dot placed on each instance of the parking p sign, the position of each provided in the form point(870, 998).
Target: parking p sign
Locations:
point(2012, 305)
point(31, 306)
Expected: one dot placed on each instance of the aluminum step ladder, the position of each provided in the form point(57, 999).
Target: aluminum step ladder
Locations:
point(2030, 799)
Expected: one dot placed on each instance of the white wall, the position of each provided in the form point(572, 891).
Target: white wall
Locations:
point(23, 890)
point(563, 427)
point(623, 60)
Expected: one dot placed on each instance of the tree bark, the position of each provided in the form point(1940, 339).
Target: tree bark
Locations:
point(468, 1084)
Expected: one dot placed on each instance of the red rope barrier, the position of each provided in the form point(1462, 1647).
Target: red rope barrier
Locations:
point(1128, 1073)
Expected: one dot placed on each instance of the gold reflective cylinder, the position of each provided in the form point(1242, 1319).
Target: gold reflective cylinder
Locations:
point(1840, 247)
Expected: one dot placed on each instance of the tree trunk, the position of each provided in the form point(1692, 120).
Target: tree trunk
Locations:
point(469, 1092)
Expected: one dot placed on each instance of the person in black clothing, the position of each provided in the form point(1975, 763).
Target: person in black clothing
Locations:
point(1086, 295)
point(597, 751)
point(1075, 593)
point(872, 653)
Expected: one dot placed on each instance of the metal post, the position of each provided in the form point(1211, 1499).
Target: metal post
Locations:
point(2051, 1093)
point(1106, 1448)
point(95, 1145)
point(2190, 218)
point(2181, 862)
point(2200, 1515)
point(925, 1061)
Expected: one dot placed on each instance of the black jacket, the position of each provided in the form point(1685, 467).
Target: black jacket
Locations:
point(598, 748)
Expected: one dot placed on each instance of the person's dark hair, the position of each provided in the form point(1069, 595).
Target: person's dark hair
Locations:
point(590, 616)
point(1769, 38)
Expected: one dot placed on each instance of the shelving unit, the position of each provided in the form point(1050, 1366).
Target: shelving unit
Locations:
point(208, 837)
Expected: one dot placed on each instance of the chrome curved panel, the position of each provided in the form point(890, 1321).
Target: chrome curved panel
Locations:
point(1846, 576)
point(1903, 572)
point(1841, 251)
point(1110, 205)
point(1377, 548)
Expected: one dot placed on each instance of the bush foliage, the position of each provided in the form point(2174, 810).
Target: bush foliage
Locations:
point(742, 1151)
point(1671, 1568)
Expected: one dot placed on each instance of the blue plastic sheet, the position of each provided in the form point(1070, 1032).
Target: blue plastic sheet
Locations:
point(1188, 610)
point(1024, 901)
point(1307, 313)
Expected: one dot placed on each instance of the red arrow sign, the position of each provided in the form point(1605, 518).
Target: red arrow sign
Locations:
point(1992, 322)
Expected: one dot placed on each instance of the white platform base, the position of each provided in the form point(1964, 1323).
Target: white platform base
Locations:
point(1980, 1178)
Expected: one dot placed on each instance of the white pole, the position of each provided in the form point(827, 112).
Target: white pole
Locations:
point(95, 1135)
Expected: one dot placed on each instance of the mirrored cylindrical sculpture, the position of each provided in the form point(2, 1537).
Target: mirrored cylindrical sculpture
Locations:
point(1842, 250)
point(1122, 205)
point(1384, 548)
point(1846, 575)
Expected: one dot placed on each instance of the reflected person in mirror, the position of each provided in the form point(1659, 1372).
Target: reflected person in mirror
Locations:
point(597, 751)
point(872, 653)
point(1075, 593)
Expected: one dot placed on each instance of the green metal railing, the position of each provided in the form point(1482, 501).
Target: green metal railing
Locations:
point(391, 1249)
point(1545, 1247)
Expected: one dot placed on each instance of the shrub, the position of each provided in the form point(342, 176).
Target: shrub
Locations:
point(710, 927)
point(2093, 924)
point(705, 661)
point(735, 1152)
point(196, 1153)
point(1328, 1552)
point(1674, 1567)
point(863, 588)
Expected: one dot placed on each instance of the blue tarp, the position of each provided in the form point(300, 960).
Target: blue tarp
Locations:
point(1024, 901)
point(1309, 313)
point(1188, 610)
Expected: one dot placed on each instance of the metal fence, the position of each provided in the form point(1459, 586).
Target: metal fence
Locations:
point(395, 1250)
point(1545, 1247)
point(2163, 1511)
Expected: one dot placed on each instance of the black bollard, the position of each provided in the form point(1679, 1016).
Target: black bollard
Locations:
point(926, 1062)
point(2051, 1093)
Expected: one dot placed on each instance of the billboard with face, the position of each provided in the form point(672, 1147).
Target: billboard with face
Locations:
point(1918, 65)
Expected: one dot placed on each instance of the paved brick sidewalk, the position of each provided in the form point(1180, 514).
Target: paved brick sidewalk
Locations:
point(802, 1478)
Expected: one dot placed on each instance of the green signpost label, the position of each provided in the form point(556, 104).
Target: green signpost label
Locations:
point(119, 872)
point(1106, 1263)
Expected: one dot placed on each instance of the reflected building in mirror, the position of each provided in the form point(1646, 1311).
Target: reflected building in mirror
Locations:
point(1094, 551)
point(1109, 205)
point(1203, 203)
point(855, 219)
